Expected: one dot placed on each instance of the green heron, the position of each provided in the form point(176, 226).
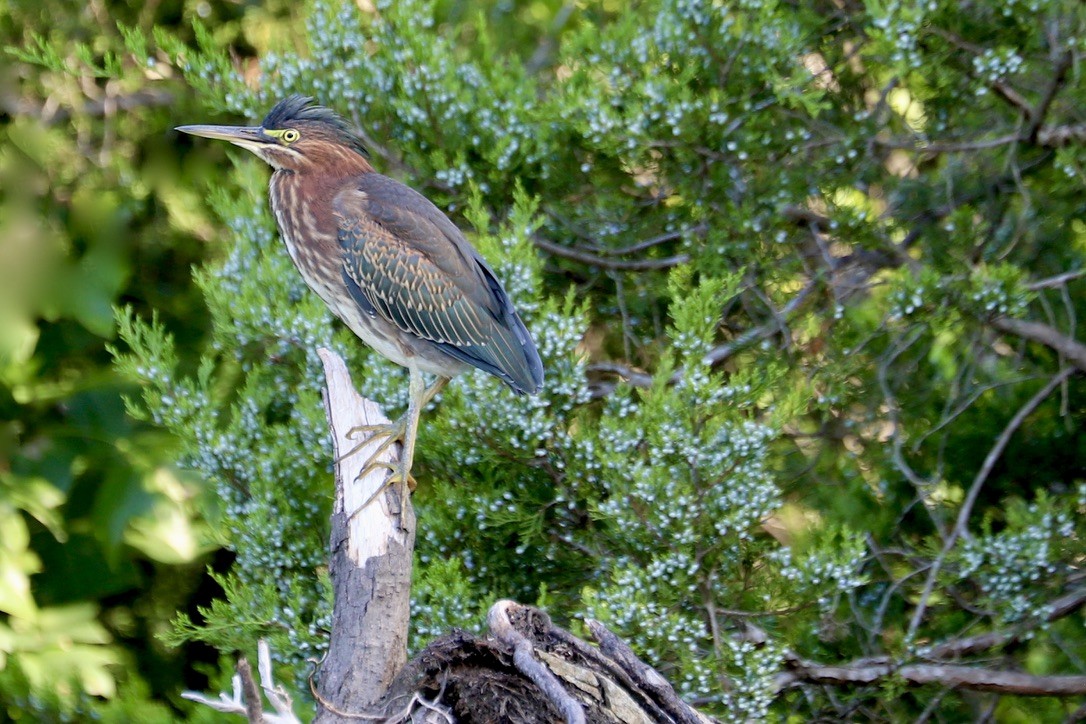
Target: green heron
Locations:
point(387, 261)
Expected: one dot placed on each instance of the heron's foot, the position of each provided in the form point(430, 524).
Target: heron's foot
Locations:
point(390, 431)
point(399, 477)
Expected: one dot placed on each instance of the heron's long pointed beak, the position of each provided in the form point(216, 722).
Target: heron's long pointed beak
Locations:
point(250, 137)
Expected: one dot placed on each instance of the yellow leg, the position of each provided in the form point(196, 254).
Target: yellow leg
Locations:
point(406, 429)
point(391, 431)
point(417, 392)
point(433, 390)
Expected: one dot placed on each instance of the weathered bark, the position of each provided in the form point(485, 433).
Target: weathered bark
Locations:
point(946, 675)
point(530, 671)
point(373, 537)
point(527, 671)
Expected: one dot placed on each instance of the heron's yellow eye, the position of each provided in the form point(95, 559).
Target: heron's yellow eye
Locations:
point(290, 135)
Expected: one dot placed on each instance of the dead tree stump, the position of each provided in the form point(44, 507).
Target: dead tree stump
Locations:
point(527, 670)
point(372, 544)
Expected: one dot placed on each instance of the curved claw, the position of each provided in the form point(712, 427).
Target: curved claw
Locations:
point(399, 476)
point(391, 431)
point(406, 429)
point(397, 428)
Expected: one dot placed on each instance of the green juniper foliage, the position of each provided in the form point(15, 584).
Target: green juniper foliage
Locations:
point(815, 227)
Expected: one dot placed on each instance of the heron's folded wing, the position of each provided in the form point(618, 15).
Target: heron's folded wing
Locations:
point(415, 270)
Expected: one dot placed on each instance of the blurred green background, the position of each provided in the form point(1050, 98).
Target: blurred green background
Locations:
point(101, 543)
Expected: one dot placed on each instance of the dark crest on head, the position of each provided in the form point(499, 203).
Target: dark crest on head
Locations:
point(299, 110)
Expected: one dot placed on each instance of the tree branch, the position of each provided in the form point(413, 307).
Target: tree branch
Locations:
point(1012, 96)
point(956, 648)
point(646, 244)
point(1038, 113)
point(1072, 350)
point(951, 146)
point(713, 357)
point(974, 490)
point(1056, 281)
point(1059, 136)
point(254, 710)
point(51, 114)
point(946, 675)
point(501, 626)
point(634, 377)
point(585, 257)
point(245, 699)
point(643, 675)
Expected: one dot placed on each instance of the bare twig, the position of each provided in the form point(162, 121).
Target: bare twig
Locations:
point(1063, 606)
point(634, 377)
point(974, 491)
point(254, 711)
point(882, 374)
point(275, 693)
point(227, 704)
point(327, 705)
point(950, 146)
point(1072, 350)
point(436, 709)
point(644, 675)
point(646, 244)
point(52, 114)
point(1056, 281)
point(245, 698)
point(403, 715)
point(1012, 97)
point(949, 675)
point(1038, 113)
point(951, 414)
point(595, 260)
